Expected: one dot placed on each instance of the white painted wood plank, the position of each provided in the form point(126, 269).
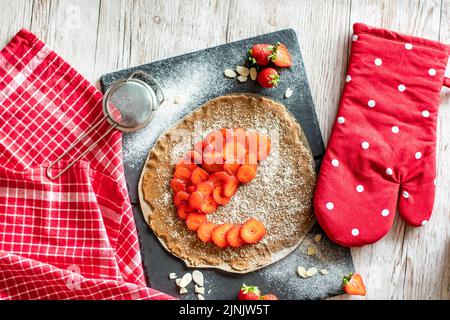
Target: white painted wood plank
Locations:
point(14, 15)
point(322, 28)
point(70, 28)
point(409, 263)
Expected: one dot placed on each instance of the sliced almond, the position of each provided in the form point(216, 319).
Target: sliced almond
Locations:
point(302, 272)
point(317, 237)
point(230, 73)
point(200, 290)
point(177, 281)
point(243, 71)
point(183, 290)
point(200, 297)
point(242, 79)
point(288, 93)
point(253, 73)
point(324, 271)
point(177, 99)
point(185, 280)
point(310, 251)
point(198, 278)
point(172, 275)
point(311, 271)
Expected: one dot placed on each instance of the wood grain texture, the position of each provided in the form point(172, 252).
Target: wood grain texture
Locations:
point(98, 36)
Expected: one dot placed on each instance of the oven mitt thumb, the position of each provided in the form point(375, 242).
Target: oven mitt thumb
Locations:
point(383, 146)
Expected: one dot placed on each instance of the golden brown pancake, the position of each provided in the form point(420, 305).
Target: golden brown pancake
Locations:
point(280, 195)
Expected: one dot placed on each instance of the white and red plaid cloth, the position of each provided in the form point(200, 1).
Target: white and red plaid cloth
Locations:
point(74, 237)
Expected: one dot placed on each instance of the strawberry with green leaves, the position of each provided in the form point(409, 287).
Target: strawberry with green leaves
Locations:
point(260, 54)
point(268, 78)
point(280, 56)
point(249, 293)
point(354, 285)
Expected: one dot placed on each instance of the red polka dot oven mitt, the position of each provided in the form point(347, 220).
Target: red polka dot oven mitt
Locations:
point(382, 149)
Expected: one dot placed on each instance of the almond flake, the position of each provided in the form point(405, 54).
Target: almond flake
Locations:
point(177, 281)
point(172, 275)
point(185, 280)
point(253, 73)
point(197, 276)
point(324, 271)
point(288, 93)
point(243, 71)
point(183, 290)
point(200, 297)
point(318, 237)
point(177, 99)
point(200, 290)
point(310, 251)
point(242, 79)
point(302, 272)
point(229, 73)
point(311, 271)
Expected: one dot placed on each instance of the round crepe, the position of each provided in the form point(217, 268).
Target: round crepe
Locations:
point(280, 195)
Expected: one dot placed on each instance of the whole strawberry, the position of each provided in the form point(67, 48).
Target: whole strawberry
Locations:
point(249, 293)
point(260, 54)
point(268, 77)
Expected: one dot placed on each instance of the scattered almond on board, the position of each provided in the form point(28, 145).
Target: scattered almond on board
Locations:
point(182, 283)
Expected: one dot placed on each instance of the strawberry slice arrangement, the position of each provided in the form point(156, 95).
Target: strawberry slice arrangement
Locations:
point(209, 175)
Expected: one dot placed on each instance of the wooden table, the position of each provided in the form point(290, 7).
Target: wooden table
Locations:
point(99, 36)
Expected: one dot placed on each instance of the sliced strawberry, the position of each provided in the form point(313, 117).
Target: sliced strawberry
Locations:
point(180, 197)
point(196, 200)
point(205, 187)
point(183, 210)
point(177, 185)
point(212, 161)
point(269, 296)
point(204, 231)
point(219, 197)
point(231, 168)
point(190, 189)
point(194, 220)
point(208, 205)
point(211, 168)
point(264, 147)
point(185, 163)
point(239, 135)
point(234, 150)
point(354, 285)
point(246, 173)
point(193, 156)
point(230, 187)
point(219, 234)
point(184, 174)
point(227, 134)
point(280, 56)
point(252, 231)
point(215, 140)
point(199, 175)
point(251, 141)
point(234, 236)
point(219, 178)
point(251, 159)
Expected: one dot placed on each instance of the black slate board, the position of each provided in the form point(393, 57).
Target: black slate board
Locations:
point(198, 77)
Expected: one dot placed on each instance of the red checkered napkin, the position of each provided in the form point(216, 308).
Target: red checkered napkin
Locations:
point(74, 237)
